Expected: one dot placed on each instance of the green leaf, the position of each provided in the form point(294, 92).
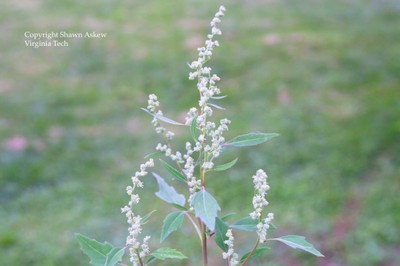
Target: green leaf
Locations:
point(220, 233)
point(257, 253)
point(163, 118)
point(100, 254)
point(250, 139)
point(114, 256)
point(168, 253)
point(206, 208)
point(172, 222)
point(298, 242)
point(216, 106)
point(245, 224)
point(225, 166)
point(218, 97)
point(194, 131)
point(179, 207)
point(154, 154)
point(173, 171)
point(150, 260)
point(228, 216)
point(146, 217)
point(168, 193)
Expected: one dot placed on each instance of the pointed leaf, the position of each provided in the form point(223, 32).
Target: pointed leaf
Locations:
point(228, 216)
point(300, 242)
point(168, 193)
point(220, 233)
point(96, 251)
point(114, 256)
point(146, 217)
point(206, 208)
point(172, 222)
point(179, 207)
point(150, 260)
point(168, 253)
point(225, 166)
point(218, 97)
point(250, 139)
point(154, 154)
point(163, 118)
point(245, 224)
point(257, 253)
point(173, 171)
point(216, 106)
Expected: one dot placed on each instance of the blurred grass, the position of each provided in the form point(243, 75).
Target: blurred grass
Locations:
point(324, 74)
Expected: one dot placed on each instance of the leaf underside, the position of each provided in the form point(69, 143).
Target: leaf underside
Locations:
point(206, 208)
point(168, 193)
point(299, 242)
point(250, 139)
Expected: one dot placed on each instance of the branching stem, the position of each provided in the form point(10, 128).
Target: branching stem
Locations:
point(251, 252)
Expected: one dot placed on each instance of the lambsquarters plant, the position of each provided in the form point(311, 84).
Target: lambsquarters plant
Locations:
point(191, 166)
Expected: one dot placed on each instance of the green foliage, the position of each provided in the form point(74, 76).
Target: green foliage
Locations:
point(300, 243)
point(245, 224)
point(162, 118)
point(206, 208)
point(146, 217)
point(250, 139)
point(221, 228)
point(225, 166)
point(100, 254)
point(173, 171)
point(168, 193)
point(228, 217)
point(168, 253)
point(257, 253)
point(172, 222)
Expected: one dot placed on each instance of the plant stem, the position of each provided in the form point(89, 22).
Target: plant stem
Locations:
point(140, 259)
point(251, 252)
point(194, 225)
point(204, 246)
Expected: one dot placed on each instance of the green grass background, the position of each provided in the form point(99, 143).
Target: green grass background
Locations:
point(324, 74)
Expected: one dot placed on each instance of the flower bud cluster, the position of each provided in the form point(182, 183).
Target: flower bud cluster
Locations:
point(263, 227)
point(134, 220)
point(193, 113)
point(168, 152)
point(193, 183)
point(230, 255)
point(259, 202)
point(152, 106)
point(261, 187)
point(216, 137)
point(206, 81)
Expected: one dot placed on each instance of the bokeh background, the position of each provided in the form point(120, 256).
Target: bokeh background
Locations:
point(324, 74)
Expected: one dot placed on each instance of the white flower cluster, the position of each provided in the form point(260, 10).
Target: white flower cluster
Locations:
point(230, 255)
point(152, 106)
point(168, 152)
point(193, 183)
point(134, 221)
point(216, 137)
point(263, 227)
point(259, 202)
point(206, 81)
